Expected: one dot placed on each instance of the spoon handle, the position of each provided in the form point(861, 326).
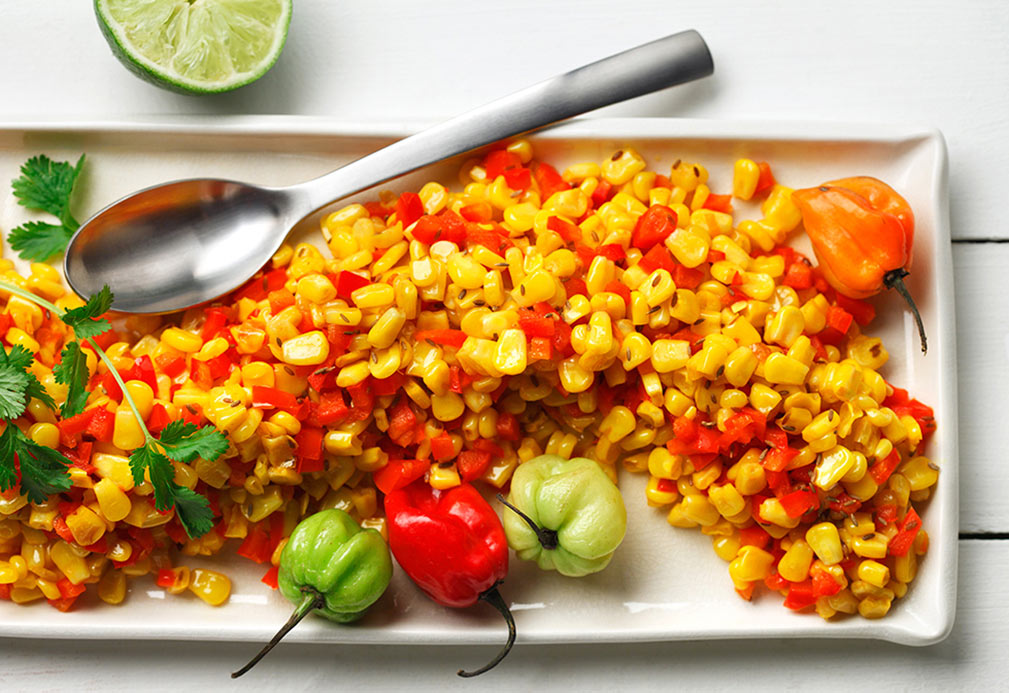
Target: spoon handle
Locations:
point(666, 62)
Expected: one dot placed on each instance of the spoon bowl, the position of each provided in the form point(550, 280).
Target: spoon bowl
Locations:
point(183, 243)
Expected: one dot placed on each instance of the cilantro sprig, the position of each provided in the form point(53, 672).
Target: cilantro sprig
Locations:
point(48, 186)
point(43, 471)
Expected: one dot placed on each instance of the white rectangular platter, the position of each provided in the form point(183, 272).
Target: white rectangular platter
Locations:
point(665, 583)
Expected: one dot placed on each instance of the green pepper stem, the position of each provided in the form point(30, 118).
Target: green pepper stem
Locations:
point(312, 600)
point(894, 279)
point(493, 597)
point(547, 537)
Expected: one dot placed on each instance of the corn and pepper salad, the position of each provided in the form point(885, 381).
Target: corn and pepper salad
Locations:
point(608, 312)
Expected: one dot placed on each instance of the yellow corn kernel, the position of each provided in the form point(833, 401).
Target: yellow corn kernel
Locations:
point(873, 545)
point(618, 424)
point(727, 499)
point(689, 247)
point(112, 587)
point(210, 586)
point(127, 433)
point(373, 296)
point(919, 472)
point(874, 607)
point(659, 494)
point(779, 210)
point(745, 176)
point(833, 466)
point(45, 434)
point(353, 374)
point(784, 370)
point(750, 564)
point(17, 337)
point(510, 357)
point(825, 541)
point(874, 573)
point(785, 327)
point(444, 477)
point(698, 509)
point(535, 287)
point(739, 366)
point(763, 398)
point(794, 565)
point(386, 329)
point(622, 166)
point(316, 288)
point(447, 407)
point(669, 355)
point(72, 565)
point(308, 349)
point(635, 350)
point(771, 510)
point(113, 502)
point(182, 340)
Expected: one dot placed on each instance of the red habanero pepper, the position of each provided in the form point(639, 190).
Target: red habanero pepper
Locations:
point(862, 231)
point(452, 545)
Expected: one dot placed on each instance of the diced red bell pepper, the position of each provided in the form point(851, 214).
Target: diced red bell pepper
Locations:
point(508, 426)
point(907, 532)
point(478, 212)
point(158, 418)
point(279, 300)
point(402, 423)
point(362, 398)
point(843, 503)
point(349, 282)
point(106, 338)
point(799, 275)
point(687, 277)
point(536, 325)
point(766, 180)
point(800, 595)
point(540, 349)
point(743, 427)
point(143, 370)
point(62, 530)
point(548, 180)
point(776, 583)
point(78, 424)
point(488, 238)
point(172, 366)
point(823, 583)
point(497, 161)
point(216, 319)
point(602, 193)
point(778, 482)
point(839, 319)
point(862, 311)
point(199, 373)
point(882, 470)
point(653, 227)
point(452, 338)
point(111, 386)
point(754, 536)
point(442, 447)
point(270, 578)
point(387, 386)
point(273, 398)
point(718, 203)
point(886, 514)
point(472, 464)
point(409, 208)
point(621, 290)
point(561, 341)
point(397, 474)
point(576, 286)
point(658, 257)
point(611, 251)
point(323, 379)
point(571, 233)
point(101, 425)
point(256, 546)
point(798, 503)
point(518, 178)
point(309, 454)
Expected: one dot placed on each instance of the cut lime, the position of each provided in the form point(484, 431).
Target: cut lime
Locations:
point(196, 46)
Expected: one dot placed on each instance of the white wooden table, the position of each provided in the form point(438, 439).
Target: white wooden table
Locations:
point(923, 61)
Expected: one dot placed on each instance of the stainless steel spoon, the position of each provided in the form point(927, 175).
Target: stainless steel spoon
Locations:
point(186, 242)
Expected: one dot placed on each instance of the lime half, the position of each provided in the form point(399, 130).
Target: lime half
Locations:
point(196, 46)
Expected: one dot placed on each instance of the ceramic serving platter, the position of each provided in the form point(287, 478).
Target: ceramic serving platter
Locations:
point(664, 583)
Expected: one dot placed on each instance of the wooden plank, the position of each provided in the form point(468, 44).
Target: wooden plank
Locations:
point(982, 304)
point(973, 653)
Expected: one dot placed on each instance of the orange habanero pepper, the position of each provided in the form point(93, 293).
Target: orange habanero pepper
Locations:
point(862, 231)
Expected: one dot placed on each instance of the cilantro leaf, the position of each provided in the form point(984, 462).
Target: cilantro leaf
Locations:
point(47, 185)
point(38, 241)
point(72, 371)
point(43, 470)
point(194, 512)
point(183, 442)
point(16, 383)
point(86, 320)
point(192, 509)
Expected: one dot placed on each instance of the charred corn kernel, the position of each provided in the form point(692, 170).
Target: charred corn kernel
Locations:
point(635, 350)
point(874, 573)
point(794, 565)
point(784, 370)
point(832, 467)
point(688, 247)
point(745, 176)
point(872, 545)
point(510, 358)
point(825, 541)
point(444, 477)
point(113, 502)
point(874, 607)
point(919, 473)
point(750, 564)
point(210, 586)
point(182, 340)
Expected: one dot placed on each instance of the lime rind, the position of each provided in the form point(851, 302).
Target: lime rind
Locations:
point(198, 46)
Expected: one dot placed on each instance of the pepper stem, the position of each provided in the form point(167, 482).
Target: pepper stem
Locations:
point(493, 597)
point(311, 601)
point(894, 279)
point(547, 537)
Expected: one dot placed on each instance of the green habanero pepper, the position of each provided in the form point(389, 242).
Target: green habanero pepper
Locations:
point(568, 516)
point(333, 567)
